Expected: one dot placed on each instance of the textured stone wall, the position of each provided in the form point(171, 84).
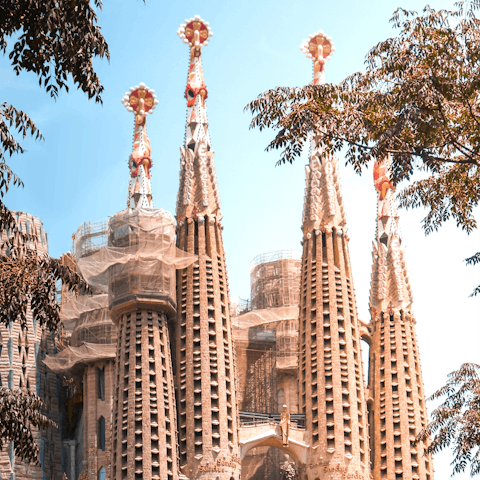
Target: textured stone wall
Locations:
point(95, 407)
point(204, 358)
point(397, 402)
point(330, 370)
point(144, 413)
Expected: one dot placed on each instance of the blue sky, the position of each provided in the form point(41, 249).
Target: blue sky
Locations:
point(80, 173)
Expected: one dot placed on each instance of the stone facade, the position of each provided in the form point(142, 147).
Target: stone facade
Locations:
point(144, 419)
point(98, 395)
point(142, 299)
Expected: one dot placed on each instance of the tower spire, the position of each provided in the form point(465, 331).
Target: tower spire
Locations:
point(141, 101)
point(323, 205)
point(396, 387)
point(330, 369)
point(198, 192)
point(389, 289)
point(207, 413)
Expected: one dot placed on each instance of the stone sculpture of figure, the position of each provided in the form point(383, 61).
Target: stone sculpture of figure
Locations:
point(285, 425)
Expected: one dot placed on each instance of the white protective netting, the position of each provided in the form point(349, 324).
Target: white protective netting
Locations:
point(84, 307)
point(141, 256)
point(87, 319)
point(140, 259)
point(72, 356)
point(259, 329)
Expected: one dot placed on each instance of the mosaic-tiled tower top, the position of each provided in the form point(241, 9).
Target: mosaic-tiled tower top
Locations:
point(198, 191)
point(207, 408)
point(141, 101)
point(330, 365)
point(396, 386)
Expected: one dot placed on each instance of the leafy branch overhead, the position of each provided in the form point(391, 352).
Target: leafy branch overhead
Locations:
point(29, 283)
point(456, 422)
point(10, 117)
point(54, 39)
point(418, 102)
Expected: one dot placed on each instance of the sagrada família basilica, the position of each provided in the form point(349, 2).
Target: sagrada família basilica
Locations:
point(158, 375)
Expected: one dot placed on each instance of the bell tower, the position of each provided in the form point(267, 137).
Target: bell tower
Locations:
point(205, 377)
point(330, 373)
point(141, 287)
point(398, 410)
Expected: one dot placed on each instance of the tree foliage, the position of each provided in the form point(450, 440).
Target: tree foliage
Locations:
point(56, 40)
point(418, 102)
point(28, 278)
point(29, 282)
point(456, 422)
point(20, 411)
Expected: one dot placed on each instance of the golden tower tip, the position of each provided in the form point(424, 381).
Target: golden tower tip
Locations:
point(195, 31)
point(318, 46)
point(140, 100)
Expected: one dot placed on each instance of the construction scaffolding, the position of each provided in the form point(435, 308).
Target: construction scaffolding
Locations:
point(89, 238)
point(266, 346)
point(265, 335)
point(86, 318)
point(133, 251)
point(275, 279)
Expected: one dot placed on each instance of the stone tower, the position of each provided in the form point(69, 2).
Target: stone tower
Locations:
point(141, 286)
point(330, 365)
point(207, 406)
point(397, 398)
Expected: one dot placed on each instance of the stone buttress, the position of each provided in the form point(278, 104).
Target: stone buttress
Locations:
point(142, 299)
point(331, 385)
point(207, 407)
point(396, 394)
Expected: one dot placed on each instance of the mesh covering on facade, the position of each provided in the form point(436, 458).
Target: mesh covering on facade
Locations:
point(87, 319)
point(265, 333)
point(71, 356)
point(143, 258)
point(266, 346)
point(89, 238)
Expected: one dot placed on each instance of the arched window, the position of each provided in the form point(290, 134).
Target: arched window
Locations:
point(101, 433)
point(102, 474)
point(101, 383)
